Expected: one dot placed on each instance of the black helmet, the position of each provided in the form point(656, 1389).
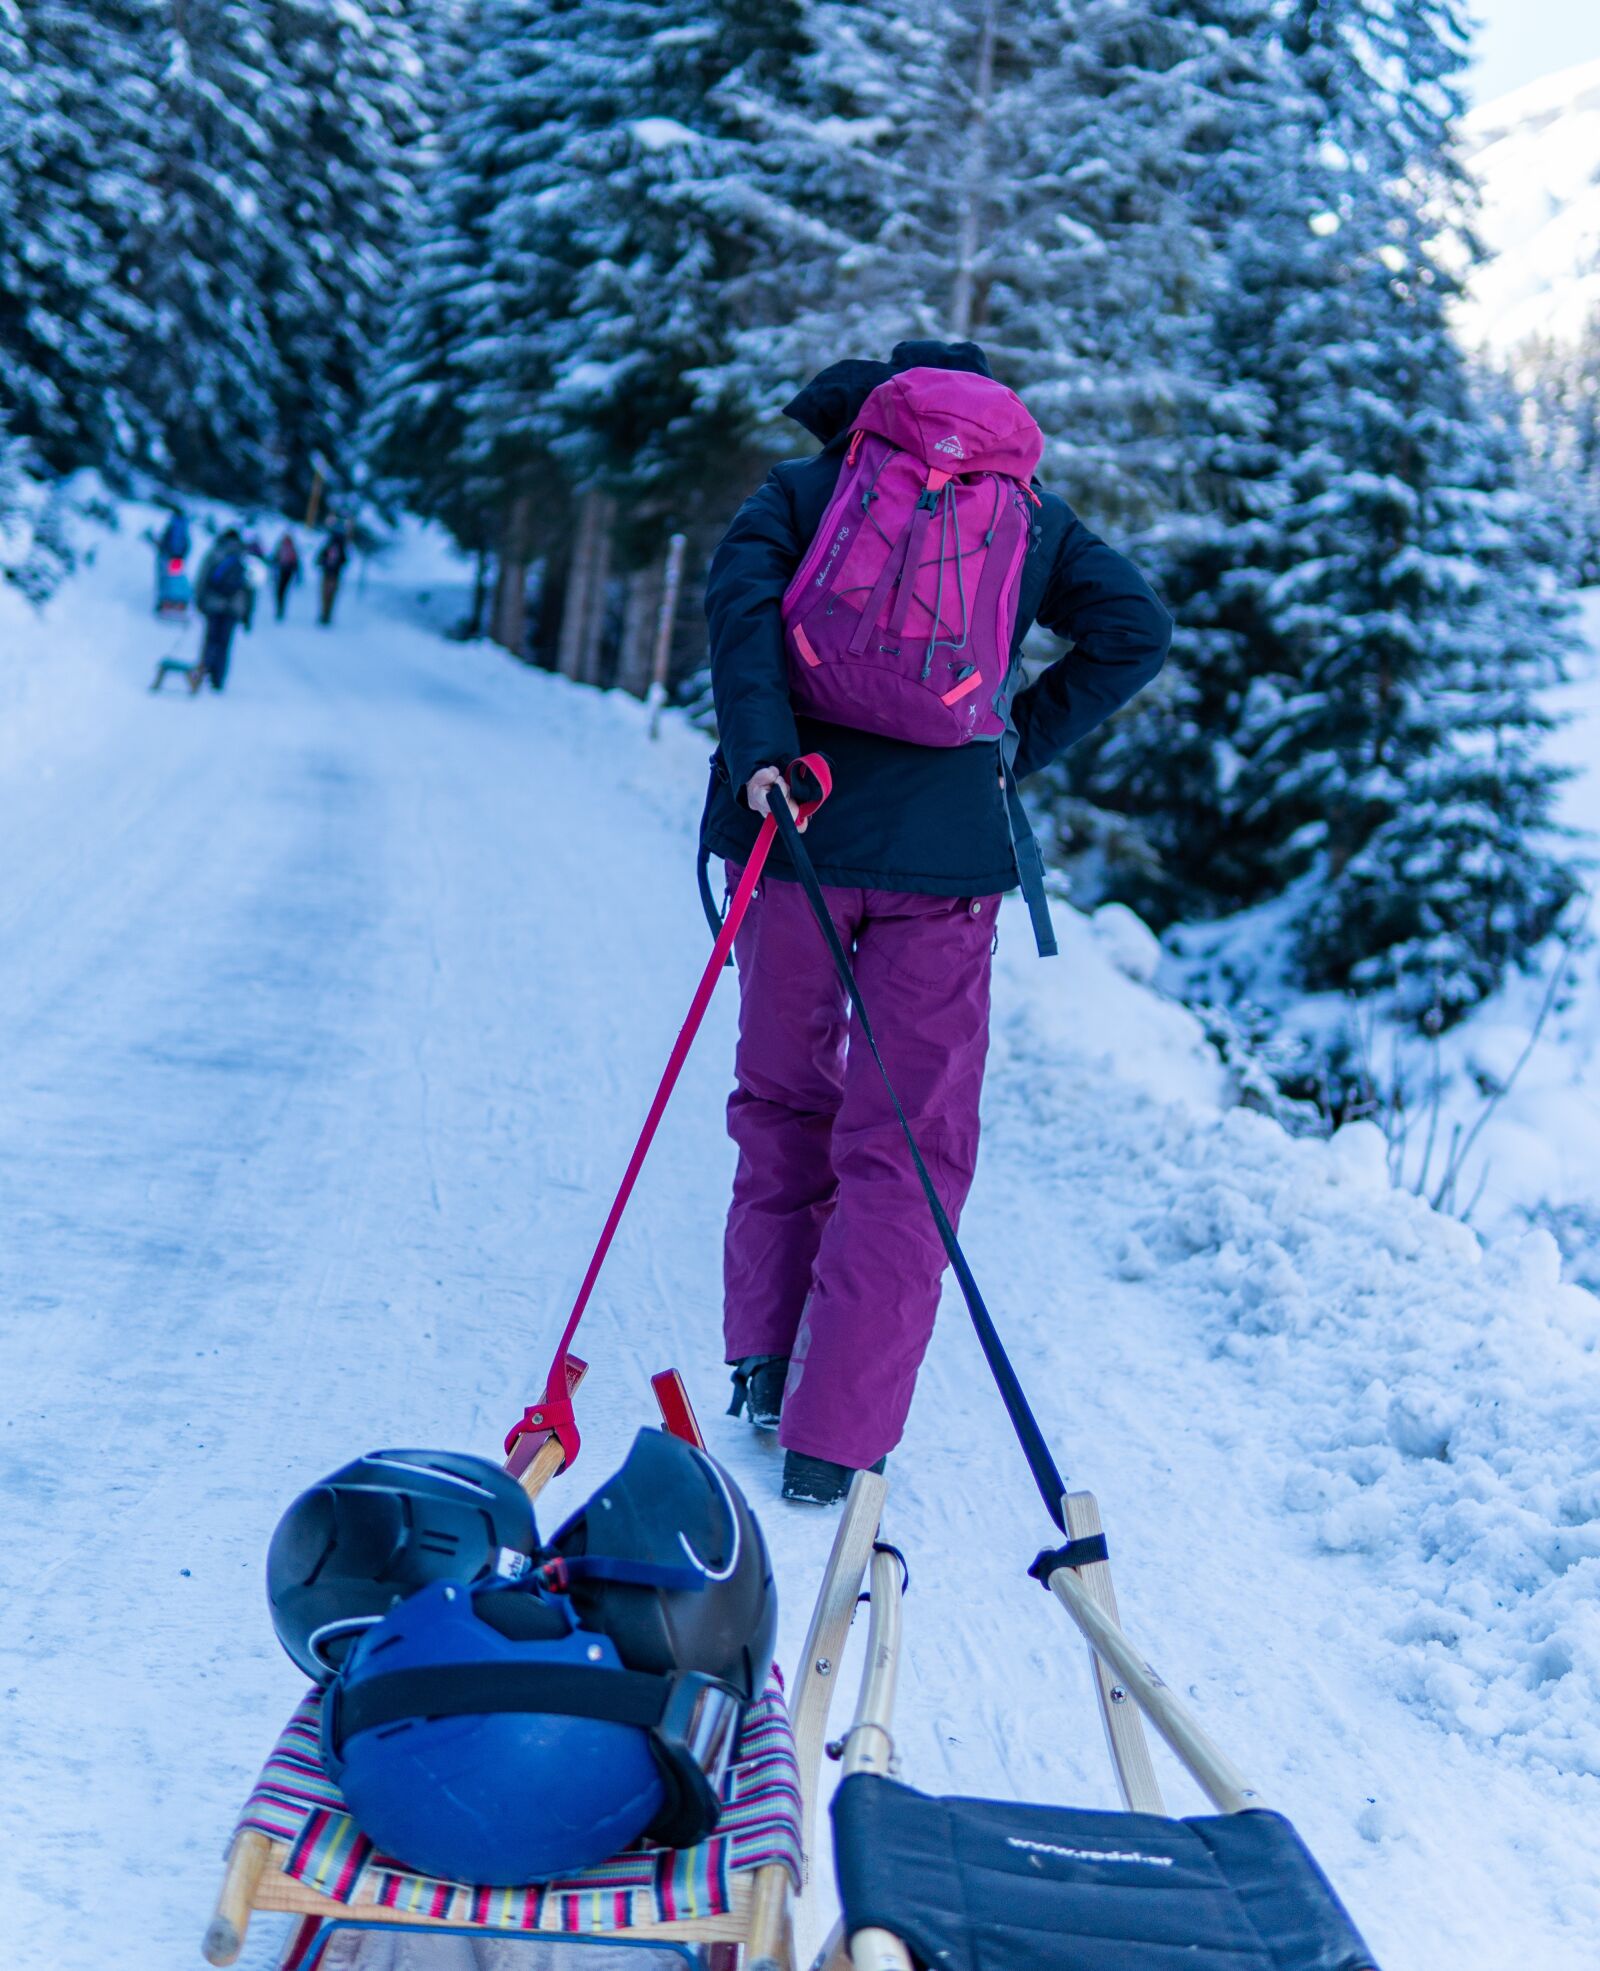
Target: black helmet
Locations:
point(668, 1561)
point(378, 1530)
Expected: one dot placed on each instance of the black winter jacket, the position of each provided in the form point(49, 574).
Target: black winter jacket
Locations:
point(903, 816)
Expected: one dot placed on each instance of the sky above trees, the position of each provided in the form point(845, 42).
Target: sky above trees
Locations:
point(1523, 39)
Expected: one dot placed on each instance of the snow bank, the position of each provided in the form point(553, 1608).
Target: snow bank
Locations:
point(1447, 1407)
point(1446, 1397)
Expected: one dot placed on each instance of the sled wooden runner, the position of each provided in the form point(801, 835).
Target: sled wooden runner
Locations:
point(756, 1931)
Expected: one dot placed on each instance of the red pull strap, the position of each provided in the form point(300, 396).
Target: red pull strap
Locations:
point(553, 1412)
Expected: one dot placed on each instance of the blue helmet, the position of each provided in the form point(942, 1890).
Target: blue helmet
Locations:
point(444, 1769)
point(505, 1732)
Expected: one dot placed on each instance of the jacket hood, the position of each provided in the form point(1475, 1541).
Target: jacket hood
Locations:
point(830, 402)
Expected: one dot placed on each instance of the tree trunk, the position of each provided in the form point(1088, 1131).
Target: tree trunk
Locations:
point(963, 293)
point(638, 623)
point(511, 595)
point(661, 657)
point(591, 655)
point(580, 572)
point(480, 595)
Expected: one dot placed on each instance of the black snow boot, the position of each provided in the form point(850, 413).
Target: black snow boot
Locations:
point(758, 1389)
point(817, 1481)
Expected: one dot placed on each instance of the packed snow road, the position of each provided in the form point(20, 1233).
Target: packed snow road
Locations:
point(329, 1009)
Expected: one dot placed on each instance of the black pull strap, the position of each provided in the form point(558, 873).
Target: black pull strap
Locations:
point(1023, 1422)
point(1082, 1552)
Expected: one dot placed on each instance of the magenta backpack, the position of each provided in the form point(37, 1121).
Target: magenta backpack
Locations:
point(901, 617)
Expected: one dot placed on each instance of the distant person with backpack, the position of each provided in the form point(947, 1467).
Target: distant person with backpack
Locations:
point(869, 604)
point(224, 597)
point(331, 559)
point(285, 570)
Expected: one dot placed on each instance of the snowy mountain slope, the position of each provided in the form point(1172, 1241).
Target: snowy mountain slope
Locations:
point(1536, 155)
point(330, 1010)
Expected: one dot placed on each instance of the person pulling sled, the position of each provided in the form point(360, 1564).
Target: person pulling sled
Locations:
point(869, 604)
point(224, 598)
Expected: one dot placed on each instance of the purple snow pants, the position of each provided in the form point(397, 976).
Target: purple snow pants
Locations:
point(831, 1255)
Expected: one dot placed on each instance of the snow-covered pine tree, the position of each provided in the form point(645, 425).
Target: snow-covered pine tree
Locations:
point(649, 220)
point(1363, 623)
point(1171, 763)
point(76, 168)
point(205, 372)
point(1420, 602)
point(1045, 180)
point(350, 119)
point(1442, 865)
point(415, 429)
point(1563, 416)
point(610, 208)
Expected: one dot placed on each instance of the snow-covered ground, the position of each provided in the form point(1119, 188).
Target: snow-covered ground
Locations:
point(330, 1008)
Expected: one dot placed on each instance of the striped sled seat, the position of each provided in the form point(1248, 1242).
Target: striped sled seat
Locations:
point(986, 1885)
point(321, 1865)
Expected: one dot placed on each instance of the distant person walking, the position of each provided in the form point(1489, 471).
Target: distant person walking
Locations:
point(223, 596)
point(331, 559)
point(285, 570)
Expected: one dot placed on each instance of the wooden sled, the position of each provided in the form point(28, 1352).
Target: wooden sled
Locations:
point(173, 667)
point(1129, 1693)
point(756, 1933)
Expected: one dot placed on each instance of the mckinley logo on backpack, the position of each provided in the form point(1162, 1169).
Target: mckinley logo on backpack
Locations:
point(901, 617)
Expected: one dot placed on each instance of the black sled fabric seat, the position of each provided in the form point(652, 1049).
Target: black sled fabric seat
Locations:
point(982, 1885)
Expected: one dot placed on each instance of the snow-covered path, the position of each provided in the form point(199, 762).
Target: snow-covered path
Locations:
point(327, 1012)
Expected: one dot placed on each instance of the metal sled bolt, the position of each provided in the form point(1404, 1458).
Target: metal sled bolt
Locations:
point(1124, 1727)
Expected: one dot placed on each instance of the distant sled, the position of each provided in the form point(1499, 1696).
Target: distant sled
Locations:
point(173, 667)
point(174, 590)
